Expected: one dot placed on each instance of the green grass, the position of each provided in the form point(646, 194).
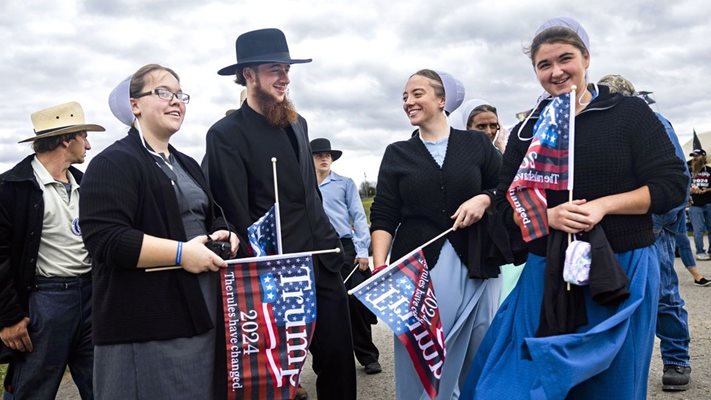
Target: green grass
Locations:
point(3, 371)
point(367, 202)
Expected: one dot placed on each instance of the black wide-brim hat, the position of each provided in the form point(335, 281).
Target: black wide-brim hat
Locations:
point(322, 145)
point(260, 47)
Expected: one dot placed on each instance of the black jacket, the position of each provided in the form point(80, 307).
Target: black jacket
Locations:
point(125, 195)
point(21, 216)
point(238, 166)
point(620, 145)
point(416, 197)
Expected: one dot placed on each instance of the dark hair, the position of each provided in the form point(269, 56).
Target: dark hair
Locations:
point(556, 34)
point(239, 74)
point(434, 76)
point(138, 79)
point(48, 144)
point(481, 109)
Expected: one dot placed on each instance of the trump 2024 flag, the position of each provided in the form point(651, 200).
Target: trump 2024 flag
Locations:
point(269, 315)
point(402, 296)
point(548, 164)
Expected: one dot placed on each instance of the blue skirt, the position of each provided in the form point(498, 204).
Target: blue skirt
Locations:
point(607, 358)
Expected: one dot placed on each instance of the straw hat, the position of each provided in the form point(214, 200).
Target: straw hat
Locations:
point(60, 120)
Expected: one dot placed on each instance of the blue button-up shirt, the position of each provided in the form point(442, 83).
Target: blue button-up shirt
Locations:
point(345, 211)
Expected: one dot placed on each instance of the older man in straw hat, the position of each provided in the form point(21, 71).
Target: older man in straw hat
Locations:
point(239, 169)
point(45, 277)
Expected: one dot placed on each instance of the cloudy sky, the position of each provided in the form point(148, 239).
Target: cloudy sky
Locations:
point(363, 51)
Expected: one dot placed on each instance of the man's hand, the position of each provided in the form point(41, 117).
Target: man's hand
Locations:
point(16, 337)
point(362, 263)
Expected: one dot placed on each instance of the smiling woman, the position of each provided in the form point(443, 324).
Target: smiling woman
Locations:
point(553, 341)
point(145, 204)
point(439, 178)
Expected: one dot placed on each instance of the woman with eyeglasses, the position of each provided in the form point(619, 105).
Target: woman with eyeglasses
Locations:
point(145, 204)
point(485, 119)
point(556, 341)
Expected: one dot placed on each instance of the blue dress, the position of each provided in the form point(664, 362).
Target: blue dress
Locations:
point(606, 359)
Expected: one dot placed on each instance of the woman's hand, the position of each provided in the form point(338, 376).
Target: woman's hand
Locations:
point(227, 236)
point(470, 211)
point(198, 258)
point(571, 217)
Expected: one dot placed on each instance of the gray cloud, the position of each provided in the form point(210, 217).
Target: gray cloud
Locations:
point(363, 53)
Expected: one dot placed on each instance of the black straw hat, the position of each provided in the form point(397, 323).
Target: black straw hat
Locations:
point(260, 47)
point(322, 145)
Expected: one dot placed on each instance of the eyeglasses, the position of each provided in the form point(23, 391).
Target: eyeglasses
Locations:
point(165, 94)
point(481, 127)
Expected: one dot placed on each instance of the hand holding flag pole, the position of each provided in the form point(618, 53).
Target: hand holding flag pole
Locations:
point(400, 260)
point(250, 259)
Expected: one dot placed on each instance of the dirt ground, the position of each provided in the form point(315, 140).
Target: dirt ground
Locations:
point(381, 386)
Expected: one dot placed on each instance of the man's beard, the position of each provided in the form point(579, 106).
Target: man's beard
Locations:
point(277, 113)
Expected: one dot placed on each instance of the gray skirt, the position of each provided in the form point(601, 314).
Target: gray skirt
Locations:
point(466, 308)
point(180, 368)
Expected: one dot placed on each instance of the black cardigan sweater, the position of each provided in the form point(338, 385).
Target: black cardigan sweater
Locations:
point(124, 195)
point(416, 198)
point(620, 145)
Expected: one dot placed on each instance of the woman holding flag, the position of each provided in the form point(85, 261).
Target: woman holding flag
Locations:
point(552, 340)
point(145, 204)
point(436, 180)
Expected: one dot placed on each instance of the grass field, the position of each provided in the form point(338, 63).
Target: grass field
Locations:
point(367, 202)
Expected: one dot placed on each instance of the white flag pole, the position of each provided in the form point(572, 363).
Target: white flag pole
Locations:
point(357, 264)
point(571, 144)
point(571, 155)
point(277, 214)
point(263, 258)
point(401, 259)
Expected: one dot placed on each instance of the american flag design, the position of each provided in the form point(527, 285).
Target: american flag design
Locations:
point(403, 297)
point(269, 315)
point(546, 165)
point(264, 234)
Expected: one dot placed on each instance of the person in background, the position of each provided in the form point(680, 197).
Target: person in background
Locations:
point(345, 211)
point(45, 270)
point(145, 204)
point(672, 317)
point(484, 118)
point(238, 165)
point(700, 209)
point(549, 341)
point(438, 179)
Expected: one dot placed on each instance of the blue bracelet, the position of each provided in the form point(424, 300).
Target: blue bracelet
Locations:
point(179, 254)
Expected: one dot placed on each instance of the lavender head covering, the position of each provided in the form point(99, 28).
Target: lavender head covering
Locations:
point(566, 22)
point(119, 102)
point(453, 91)
point(458, 119)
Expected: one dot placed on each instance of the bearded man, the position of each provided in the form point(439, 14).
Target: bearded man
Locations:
point(238, 166)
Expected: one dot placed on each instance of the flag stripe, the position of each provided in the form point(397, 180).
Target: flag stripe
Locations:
point(547, 164)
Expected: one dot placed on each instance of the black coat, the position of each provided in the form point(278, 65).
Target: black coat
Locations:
point(125, 195)
point(21, 218)
point(238, 166)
